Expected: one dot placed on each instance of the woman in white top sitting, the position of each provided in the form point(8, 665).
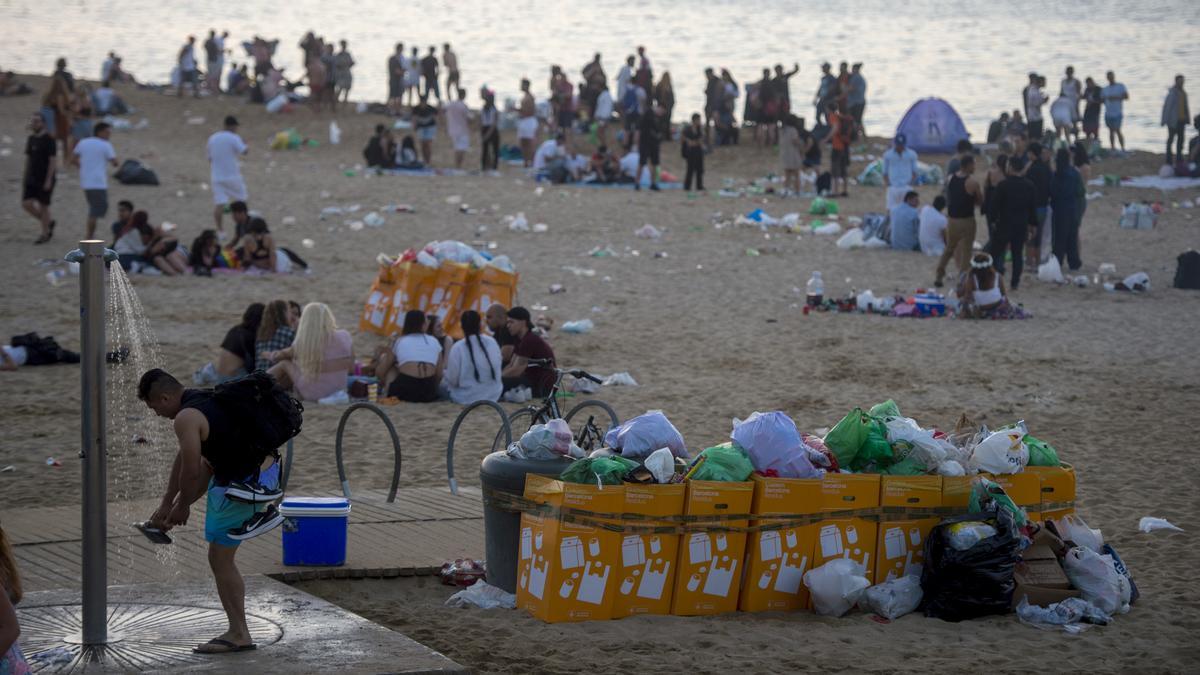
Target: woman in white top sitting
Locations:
point(982, 295)
point(412, 370)
point(473, 367)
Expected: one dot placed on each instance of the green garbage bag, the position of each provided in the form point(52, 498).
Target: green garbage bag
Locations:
point(726, 462)
point(1041, 453)
point(984, 491)
point(818, 206)
point(846, 438)
point(831, 207)
point(605, 470)
point(909, 466)
point(885, 411)
point(875, 453)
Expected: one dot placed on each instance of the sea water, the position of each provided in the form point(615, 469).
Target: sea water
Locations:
point(976, 53)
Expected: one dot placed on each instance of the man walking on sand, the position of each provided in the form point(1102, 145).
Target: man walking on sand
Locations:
point(527, 123)
point(40, 166)
point(458, 126)
point(963, 196)
point(92, 155)
point(224, 149)
point(215, 460)
point(429, 72)
point(899, 171)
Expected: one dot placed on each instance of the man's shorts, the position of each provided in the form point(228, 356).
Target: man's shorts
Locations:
point(228, 191)
point(222, 515)
point(839, 161)
point(97, 201)
point(527, 128)
point(649, 154)
point(1113, 121)
point(37, 194)
point(426, 133)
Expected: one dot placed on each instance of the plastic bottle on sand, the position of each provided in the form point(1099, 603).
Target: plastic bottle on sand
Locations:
point(335, 133)
point(816, 290)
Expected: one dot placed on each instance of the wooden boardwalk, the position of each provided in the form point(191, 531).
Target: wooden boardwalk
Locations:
point(414, 535)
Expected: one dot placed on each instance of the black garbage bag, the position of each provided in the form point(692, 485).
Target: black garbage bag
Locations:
point(133, 172)
point(971, 583)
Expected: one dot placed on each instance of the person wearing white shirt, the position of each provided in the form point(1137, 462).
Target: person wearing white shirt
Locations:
point(458, 125)
point(624, 77)
point(932, 227)
point(473, 367)
point(549, 151)
point(899, 171)
point(224, 148)
point(91, 156)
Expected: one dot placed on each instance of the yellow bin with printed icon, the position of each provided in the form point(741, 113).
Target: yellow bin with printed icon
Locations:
point(778, 556)
point(567, 570)
point(850, 536)
point(649, 559)
point(903, 526)
point(712, 550)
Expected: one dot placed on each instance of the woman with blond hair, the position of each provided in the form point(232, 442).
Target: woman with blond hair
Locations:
point(11, 659)
point(316, 364)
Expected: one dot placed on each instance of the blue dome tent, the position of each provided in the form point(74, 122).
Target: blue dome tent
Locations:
point(932, 125)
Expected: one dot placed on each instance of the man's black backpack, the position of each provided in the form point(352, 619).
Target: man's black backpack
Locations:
point(1187, 275)
point(269, 415)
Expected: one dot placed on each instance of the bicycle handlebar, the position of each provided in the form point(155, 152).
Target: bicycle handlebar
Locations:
point(578, 374)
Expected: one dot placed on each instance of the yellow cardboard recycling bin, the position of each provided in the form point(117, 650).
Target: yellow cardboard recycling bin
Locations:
point(1025, 489)
point(1057, 485)
point(710, 560)
point(778, 558)
point(649, 560)
point(850, 537)
point(567, 571)
point(900, 548)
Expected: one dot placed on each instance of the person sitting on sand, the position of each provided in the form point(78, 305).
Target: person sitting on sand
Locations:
point(276, 331)
point(257, 249)
point(981, 292)
point(412, 369)
point(406, 155)
point(236, 355)
point(932, 227)
point(161, 249)
point(518, 373)
point(380, 152)
point(497, 322)
point(11, 86)
point(904, 223)
point(32, 349)
point(316, 364)
point(205, 253)
point(473, 366)
point(604, 166)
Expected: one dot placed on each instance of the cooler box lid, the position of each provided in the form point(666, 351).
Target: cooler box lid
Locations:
point(331, 507)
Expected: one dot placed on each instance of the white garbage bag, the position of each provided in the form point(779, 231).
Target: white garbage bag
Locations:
point(836, 586)
point(852, 239)
point(1002, 452)
point(1073, 528)
point(893, 599)
point(1098, 580)
point(1050, 271)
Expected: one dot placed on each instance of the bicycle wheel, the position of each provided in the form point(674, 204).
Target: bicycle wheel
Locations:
point(601, 414)
point(519, 421)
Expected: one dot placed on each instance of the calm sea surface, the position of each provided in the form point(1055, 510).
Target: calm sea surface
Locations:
point(974, 53)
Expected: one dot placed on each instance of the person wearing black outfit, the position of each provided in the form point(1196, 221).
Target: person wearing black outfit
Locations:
point(489, 132)
point(429, 72)
point(1040, 175)
point(1013, 206)
point(40, 170)
point(380, 152)
point(693, 153)
point(714, 92)
point(1066, 193)
point(649, 142)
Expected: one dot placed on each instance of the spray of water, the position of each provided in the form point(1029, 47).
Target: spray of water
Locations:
point(140, 443)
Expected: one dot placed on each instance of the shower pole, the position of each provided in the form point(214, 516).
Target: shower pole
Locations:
point(92, 256)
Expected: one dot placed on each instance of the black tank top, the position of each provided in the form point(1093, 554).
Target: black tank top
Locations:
point(959, 202)
point(229, 457)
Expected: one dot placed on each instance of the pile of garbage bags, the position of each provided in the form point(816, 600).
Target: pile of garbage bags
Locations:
point(435, 253)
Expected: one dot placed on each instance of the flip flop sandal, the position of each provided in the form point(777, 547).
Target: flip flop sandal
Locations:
point(225, 647)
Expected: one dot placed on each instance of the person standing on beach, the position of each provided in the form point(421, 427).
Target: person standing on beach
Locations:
point(429, 72)
point(489, 133)
point(527, 123)
point(714, 91)
point(1114, 94)
point(424, 118)
point(1066, 193)
point(1175, 116)
point(692, 147)
point(458, 126)
point(215, 461)
point(841, 133)
point(649, 144)
point(1072, 90)
point(1091, 110)
point(963, 196)
point(1038, 172)
point(92, 155)
point(595, 81)
point(187, 68)
point(395, 70)
point(899, 170)
point(857, 97)
point(343, 75)
point(450, 62)
point(1014, 209)
point(223, 149)
point(41, 155)
point(826, 92)
point(625, 78)
point(212, 59)
point(645, 74)
point(1035, 98)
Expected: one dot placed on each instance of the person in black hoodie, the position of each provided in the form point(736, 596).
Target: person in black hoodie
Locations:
point(1038, 173)
point(1013, 206)
point(380, 152)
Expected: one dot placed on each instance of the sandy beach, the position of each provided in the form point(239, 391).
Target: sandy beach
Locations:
point(708, 331)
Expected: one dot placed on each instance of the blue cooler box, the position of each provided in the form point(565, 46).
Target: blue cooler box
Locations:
point(314, 530)
point(930, 304)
